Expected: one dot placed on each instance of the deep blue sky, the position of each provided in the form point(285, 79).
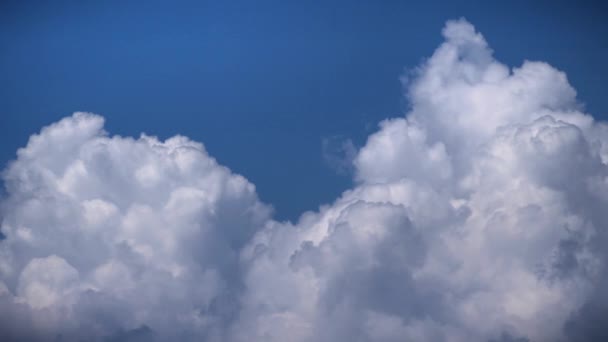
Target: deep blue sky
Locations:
point(261, 84)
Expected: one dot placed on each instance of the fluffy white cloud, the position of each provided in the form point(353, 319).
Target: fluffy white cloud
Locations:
point(108, 234)
point(479, 216)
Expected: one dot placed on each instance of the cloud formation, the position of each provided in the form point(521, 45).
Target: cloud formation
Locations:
point(478, 216)
point(108, 234)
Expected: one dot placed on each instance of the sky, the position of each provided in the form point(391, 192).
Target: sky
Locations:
point(242, 76)
point(377, 171)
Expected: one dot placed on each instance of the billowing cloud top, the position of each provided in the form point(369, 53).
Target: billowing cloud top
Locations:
point(479, 216)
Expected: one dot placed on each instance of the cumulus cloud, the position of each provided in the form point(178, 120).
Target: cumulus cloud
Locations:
point(109, 234)
point(478, 216)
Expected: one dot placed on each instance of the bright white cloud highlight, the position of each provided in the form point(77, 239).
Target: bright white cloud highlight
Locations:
point(479, 216)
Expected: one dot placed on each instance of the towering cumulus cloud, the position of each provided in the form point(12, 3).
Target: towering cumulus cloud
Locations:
point(479, 216)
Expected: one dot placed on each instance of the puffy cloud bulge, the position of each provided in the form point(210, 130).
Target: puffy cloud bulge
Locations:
point(478, 216)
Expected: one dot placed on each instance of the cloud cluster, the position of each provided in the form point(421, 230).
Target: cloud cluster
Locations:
point(109, 234)
point(479, 216)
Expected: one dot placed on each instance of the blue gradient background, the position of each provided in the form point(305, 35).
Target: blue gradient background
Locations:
point(261, 84)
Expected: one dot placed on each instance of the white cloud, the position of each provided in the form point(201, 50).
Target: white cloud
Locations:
point(107, 234)
point(398, 150)
point(479, 216)
point(475, 217)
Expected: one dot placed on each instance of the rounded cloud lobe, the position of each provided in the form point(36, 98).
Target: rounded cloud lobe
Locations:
point(479, 216)
point(108, 234)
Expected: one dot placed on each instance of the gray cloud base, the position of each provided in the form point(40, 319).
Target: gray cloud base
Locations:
point(479, 216)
